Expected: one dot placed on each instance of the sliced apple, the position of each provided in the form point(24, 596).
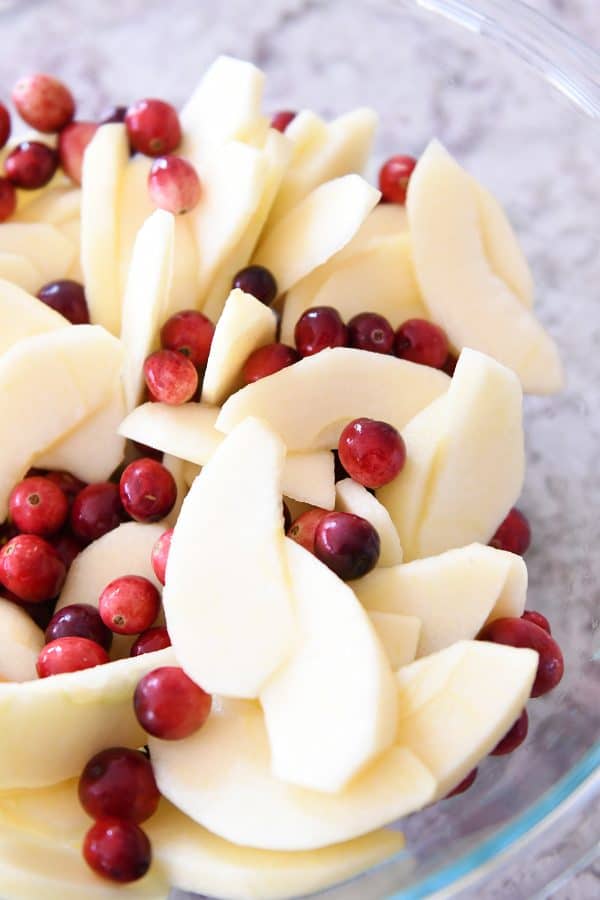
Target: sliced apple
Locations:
point(22, 316)
point(385, 220)
point(306, 132)
point(134, 207)
point(20, 643)
point(399, 636)
point(20, 271)
point(55, 206)
point(176, 467)
point(183, 290)
point(44, 245)
point(253, 593)
point(72, 231)
point(502, 248)
point(351, 497)
point(310, 478)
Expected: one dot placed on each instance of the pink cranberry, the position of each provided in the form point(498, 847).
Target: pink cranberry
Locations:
point(530, 615)
point(347, 544)
point(43, 102)
point(4, 125)
point(370, 331)
point(69, 654)
point(150, 640)
point(31, 568)
point(31, 165)
point(160, 555)
point(129, 605)
point(422, 342)
point(79, 620)
point(69, 484)
point(174, 185)
point(513, 534)
point(96, 510)
point(67, 298)
point(169, 705)
point(170, 377)
point(189, 332)
point(282, 119)
point(117, 850)
point(38, 506)
point(464, 785)
point(67, 547)
point(72, 143)
point(8, 199)
point(371, 452)
point(514, 737)
point(148, 490)
point(153, 127)
point(521, 633)
point(258, 281)
point(393, 178)
point(318, 328)
point(119, 783)
point(268, 360)
point(304, 528)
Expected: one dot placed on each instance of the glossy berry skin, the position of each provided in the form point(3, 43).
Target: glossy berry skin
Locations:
point(96, 510)
point(303, 529)
point(129, 605)
point(153, 127)
point(258, 281)
point(530, 615)
point(371, 452)
point(67, 547)
point(318, 328)
point(5, 126)
point(72, 143)
point(79, 620)
point(43, 102)
point(119, 783)
point(370, 331)
point(464, 785)
point(188, 332)
point(31, 165)
point(267, 360)
point(31, 568)
point(521, 633)
point(173, 184)
point(422, 342)
point(393, 178)
point(148, 490)
point(160, 554)
point(513, 534)
point(514, 737)
point(117, 850)
point(347, 544)
point(69, 654)
point(67, 297)
point(38, 506)
point(8, 199)
point(150, 640)
point(170, 377)
point(169, 705)
point(69, 484)
point(282, 119)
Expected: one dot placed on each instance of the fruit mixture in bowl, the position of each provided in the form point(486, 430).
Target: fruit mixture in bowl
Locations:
point(263, 587)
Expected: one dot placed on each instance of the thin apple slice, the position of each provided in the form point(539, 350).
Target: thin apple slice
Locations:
point(54, 206)
point(399, 636)
point(134, 207)
point(20, 271)
point(185, 268)
point(44, 245)
point(22, 316)
point(456, 705)
point(175, 466)
point(20, 643)
point(229, 538)
point(332, 388)
point(310, 478)
point(72, 231)
point(351, 497)
point(502, 248)
point(306, 132)
point(386, 220)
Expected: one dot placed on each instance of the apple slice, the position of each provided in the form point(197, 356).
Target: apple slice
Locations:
point(22, 316)
point(54, 206)
point(502, 248)
point(134, 207)
point(310, 478)
point(306, 132)
point(385, 220)
point(464, 294)
point(244, 325)
point(455, 705)
point(20, 643)
point(44, 245)
point(229, 539)
point(351, 497)
point(20, 271)
point(399, 636)
point(185, 268)
point(453, 594)
point(176, 467)
point(72, 231)
point(332, 388)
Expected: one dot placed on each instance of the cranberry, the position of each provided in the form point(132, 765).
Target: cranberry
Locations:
point(114, 115)
point(153, 127)
point(96, 510)
point(174, 185)
point(119, 783)
point(8, 199)
point(189, 332)
point(521, 633)
point(282, 119)
point(347, 544)
point(169, 705)
point(464, 785)
point(530, 615)
point(67, 547)
point(514, 737)
point(31, 165)
point(318, 328)
point(69, 484)
point(148, 490)
point(450, 364)
point(303, 529)
point(267, 360)
point(370, 331)
point(72, 143)
point(129, 604)
point(170, 377)
point(150, 640)
point(513, 534)
point(287, 516)
point(43, 102)
point(393, 178)
point(422, 342)
point(67, 298)
point(160, 554)
point(372, 452)
point(258, 281)
point(38, 506)
point(79, 620)
point(31, 568)
point(69, 654)
point(4, 125)
point(117, 850)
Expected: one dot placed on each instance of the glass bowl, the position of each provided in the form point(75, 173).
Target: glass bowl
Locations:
point(518, 102)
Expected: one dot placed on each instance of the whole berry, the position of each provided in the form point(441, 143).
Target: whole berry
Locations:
point(38, 506)
point(394, 176)
point(280, 120)
point(371, 452)
point(303, 529)
point(119, 782)
point(538, 619)
point(148, 490)
point(69, 654)
point(188, 332)
point(257, 281)
point(170, 377)
point(43, 102)
point(319, 328)
point(129, 604)
point(79, 620)
point(169, 705)
point(67, 297)
point(160, 555)
point(8, 199)
point(153, 127)
point(464, 785)
point(173, 184)
point(31, 165)
point(96, 510)
point(513, 534)
point(150, 640)
point(31, 568)
point(522, 633)
point(117, 850)
point(72, 143)
point(514, 737)
point(370, 331)
point(420, 341)
point(347, 544)
point(267, 360)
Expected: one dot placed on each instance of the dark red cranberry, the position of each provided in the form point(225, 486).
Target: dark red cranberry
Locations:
point(258, 281)
point(173, 184)
point(189, 332)
point(394, 176)
point(521, 633)
point(67, 547)
point(287, 516)
point(79, 620)
point(422, 342)
point(8, 199)
point(117, 850)
point(464, 785)
point(115, 115)
point(318, 328)
point(41, 613)
point(514, 737)
point(31, 568)
point(31, 165)
point(119, 782)
point(513, 534)
point(303, 529)
point(69, 654)
point(372, 452)
point(169, 705)
point(160, 555)
point(4, 125)
point(43, 102)
point(72, 144)
point(96, 510)
point(530, 615)
point(347, 544)
point(150, 640)
point(38, 506)
point(67, 298)
point(450, 364)
point(148, 490)
point(153, 127)
point(280, 120)
point(129, 604)
point(69, 484)
point(370, 331)
point(267, 360)
point(170, 377)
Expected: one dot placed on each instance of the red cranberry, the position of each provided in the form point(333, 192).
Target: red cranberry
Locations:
point(393, 178)
point(170, 377)
point(79, 620)
point(38, 506)
point(31, 165)
point(174, 185)
point(96, 510)
point(268, 360)
point(287, 516)
point(69, 654)
point(521, 633)
point(422, 342)
point(67, 298)
point(119, 782)
point(69, 484)
point(464, 785)
point(303, 529)
point(514, 737)
point(258, 281)
point(513, 534)
point(72, 143)
point(153, 127)
point(370, 331)
point(148, 490)
point(8, 199)
point(347, 544)
point(318, 328)
point(530, 615)
point(114, 115)
point(31, 568)
point(372, 452)
point(4, 125)
point(450, 364)
point(43, 102)
point(282, 119)
point(67, 547)
point(150, 640)
point(169, 705)
point(160, 554)
point(129, 604)
point(117, 850)
point(189, 332)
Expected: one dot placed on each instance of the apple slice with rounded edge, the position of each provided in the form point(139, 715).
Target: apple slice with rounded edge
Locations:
point(337, 684)
point(463, 293)
point(176, 467)
point(49, 251)
point(244, 325)
point(399, 636)
point(455, 705)
point(20, 643)
point(502, 248)
point(182, 294)
point(134, 207)
point(306, 132)
point(72, 231)
point(22, 316)
point(332, 388)
point(453, 594)
point(230, 636)
point(351, 497)
point(218, 775)
point(105, 162)
point(55, 206)
point(310, 478)
point(20, 271)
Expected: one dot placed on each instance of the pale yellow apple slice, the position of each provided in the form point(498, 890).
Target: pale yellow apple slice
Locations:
point(134, 207)
point(72, 231)
point(183, 292)
point(310, 478)
point(22, 316)
point(20, 271)
point(386, 220)
point(502, 248)
point(176, 467)
point(351, 497)
point(463, 292)
point(453, 594)
point(244, 325)
point(231, 635)
point(44, 245)
point(399, 636)
point(306, 132)
point(337, 667)
point(104, 165)
point(54, 206)
point(455, 705)
point(20, 643)
point(332, 388)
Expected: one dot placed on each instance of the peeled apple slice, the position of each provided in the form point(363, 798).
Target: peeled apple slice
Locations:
point(351, 497)
point(473, 303)
point(134, 207)
point(44, 245)
point(385, 220)
point(227, 600)
point(20, 643)
point(453, 594)
point(176, 467)
point(20, 271)
point(332, 388)
point(399, 636)
point(310, 478)
point(502, 247)
point(455, 705)
point(54, 206)
point(306, 132)
point(22, 315)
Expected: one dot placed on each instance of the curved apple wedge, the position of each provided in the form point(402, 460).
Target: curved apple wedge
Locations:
point(352, 497)
point(502, 248)
point(22, 316)
point(399, 636)
point(20, 643)
point(20, 271)
point(44, 245)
